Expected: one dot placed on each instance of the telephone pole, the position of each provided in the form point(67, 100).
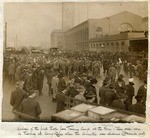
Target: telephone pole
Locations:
point(5, 42)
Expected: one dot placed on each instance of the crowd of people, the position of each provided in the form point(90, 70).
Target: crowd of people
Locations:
point(75, 75)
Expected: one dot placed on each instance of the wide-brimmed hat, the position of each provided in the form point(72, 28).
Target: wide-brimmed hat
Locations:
point(90, 95)
point(93, 81)
point(121, 76)
point(105, 82)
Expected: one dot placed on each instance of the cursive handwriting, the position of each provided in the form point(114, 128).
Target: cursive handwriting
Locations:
point(82, 130)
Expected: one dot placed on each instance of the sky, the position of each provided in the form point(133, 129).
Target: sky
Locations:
point(33, 23)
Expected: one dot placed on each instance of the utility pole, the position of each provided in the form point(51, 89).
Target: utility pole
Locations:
point(5, 43)
point(16, 42)
point(62, 16)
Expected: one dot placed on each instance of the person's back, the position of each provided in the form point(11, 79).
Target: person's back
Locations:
point(119, 104)
point(17, 96)
point(109, 97)
point(102, 92)
point(80, 97)
point(137, 108)
point(31, 107)
point(60, 100)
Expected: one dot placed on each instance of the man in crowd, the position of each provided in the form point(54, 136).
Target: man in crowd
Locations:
point(110, 95)
point(120, 103)
point(138, 108)
point(11, 72)
point(55, 81)
point(30, 107)
point(129, 92)
point(91, 89)
point(142, 91)
point(61, 100)
point(80, 96)
point(112, 72)
point(17, 95)
point(102, 92)
point(61, 83)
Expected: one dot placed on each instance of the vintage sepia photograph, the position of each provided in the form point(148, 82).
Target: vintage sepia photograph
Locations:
point(75, 62)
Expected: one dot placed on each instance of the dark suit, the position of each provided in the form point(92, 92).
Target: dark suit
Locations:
point(60, 100)
point(102, 92)
point(61, 84)
point(91, 89)
point(110, 96)
point(143, 92)
point(17, 97)
point(129, 93)
point(119, 104)
point(30, 107)
point(137, 108)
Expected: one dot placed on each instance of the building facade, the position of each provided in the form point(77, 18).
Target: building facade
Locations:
point(82, 36)
point(123, 42)
point(58, 39)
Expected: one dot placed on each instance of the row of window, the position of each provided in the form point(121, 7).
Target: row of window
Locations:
point(106, 44)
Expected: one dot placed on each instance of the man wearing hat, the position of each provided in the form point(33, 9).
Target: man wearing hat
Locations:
point(102, 92)
point(112, 73)
point(90, 97)
point(80, 96)
point(91, 88)
point(17, 96)
point(120, 102)
point(55, 81)
point(142, 91)
point(120, 83)
point(30, 107)
point(138, 108)
point(61, 83)
point(110, 95)
point(129, 92)
point(61, 100)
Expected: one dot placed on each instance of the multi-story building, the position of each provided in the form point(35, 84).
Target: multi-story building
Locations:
point(145, 24)
point(95, 34)
point(58, 39)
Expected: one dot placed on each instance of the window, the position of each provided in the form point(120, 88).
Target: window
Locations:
point(122, 43)
point(125, 27)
